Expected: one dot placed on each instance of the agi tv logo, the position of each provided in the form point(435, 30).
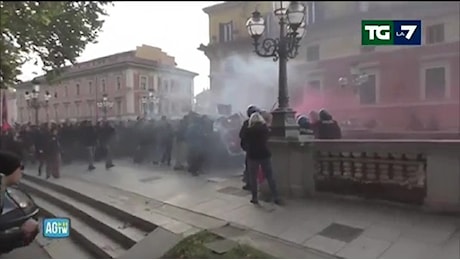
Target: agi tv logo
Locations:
point(388, 32)
point(56, 227)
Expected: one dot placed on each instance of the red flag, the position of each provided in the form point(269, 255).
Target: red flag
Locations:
point(4, 118)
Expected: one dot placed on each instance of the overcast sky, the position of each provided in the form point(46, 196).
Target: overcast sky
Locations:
point(176, 27)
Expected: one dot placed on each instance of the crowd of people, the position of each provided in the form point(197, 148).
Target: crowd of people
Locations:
point(190, 143)
point(193, 139)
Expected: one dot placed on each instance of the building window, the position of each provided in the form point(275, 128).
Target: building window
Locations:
point(173, 108)
point(66, 110)
point(313, 53)
point(118, 83)
point(143, 82)
point(315, 12)
point(435, 83)
point(435, 34)
point(103, 85)
point(159, 82)
point(77, 89)
point(166, 87)
point(172, 86)
point(226, 32)
point(56, 112)
point(66, 91)
point(90, 108)
point(119, 107)
point(368, 91)
point(314, 85)
point(77, 109)
point(90, 87)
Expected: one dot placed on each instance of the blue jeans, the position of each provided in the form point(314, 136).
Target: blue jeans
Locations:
point(253, 168)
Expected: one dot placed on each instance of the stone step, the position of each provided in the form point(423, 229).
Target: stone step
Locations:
point(89, 194)
point(101, 245)
point(63, 248)
point(120, 230)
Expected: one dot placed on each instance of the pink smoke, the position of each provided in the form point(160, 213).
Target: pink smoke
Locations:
point(333, 101)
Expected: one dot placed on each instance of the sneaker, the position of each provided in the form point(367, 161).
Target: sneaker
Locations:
point(108, 166)
point(91, 167)
point(254, 201)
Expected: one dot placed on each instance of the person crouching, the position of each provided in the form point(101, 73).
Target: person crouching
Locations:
point(258, 155)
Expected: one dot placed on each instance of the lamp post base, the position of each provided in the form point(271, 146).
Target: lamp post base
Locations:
point(284, 124)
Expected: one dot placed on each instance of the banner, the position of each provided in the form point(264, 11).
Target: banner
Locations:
point(4, 115)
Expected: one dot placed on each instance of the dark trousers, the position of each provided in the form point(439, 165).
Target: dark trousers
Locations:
point(253, 168)
point(246, 178)
point(195, 161)
point(40, 157)
point(53, 165)
point(166, 150)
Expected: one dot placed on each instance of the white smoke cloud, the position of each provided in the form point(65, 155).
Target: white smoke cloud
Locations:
point(255, 82)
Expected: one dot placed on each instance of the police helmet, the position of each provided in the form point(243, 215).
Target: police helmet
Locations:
point(251, 109)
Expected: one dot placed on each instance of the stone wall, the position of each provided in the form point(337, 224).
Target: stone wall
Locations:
point(424, 172)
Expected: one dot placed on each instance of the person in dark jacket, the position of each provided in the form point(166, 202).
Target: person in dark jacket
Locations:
point(181, 145)
point(89, 140)
point(258, 155)
point(40, 136)
point(10, 166)
point(251, 109)
point(106, 135)
point(328, 128)
point(195, 138)
point(165, 140)
point(52, 152)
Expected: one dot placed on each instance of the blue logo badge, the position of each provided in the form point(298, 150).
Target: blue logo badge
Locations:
point(56, 227)
point(407, 32)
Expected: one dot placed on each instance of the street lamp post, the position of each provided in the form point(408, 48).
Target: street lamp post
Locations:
point(149, 102)
point(34, 102)
point(105, 104)
point(291, 17)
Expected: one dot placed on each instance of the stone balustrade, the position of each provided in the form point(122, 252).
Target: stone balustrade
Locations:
point(425, 135)
point(423, 172)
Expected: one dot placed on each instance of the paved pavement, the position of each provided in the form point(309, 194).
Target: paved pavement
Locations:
point(349, 229)
point(33, 251)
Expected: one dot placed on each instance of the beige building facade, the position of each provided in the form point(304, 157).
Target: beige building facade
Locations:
point(126, 79)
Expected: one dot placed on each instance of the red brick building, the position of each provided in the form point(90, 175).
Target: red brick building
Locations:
point(403, 81)
point(125, 78)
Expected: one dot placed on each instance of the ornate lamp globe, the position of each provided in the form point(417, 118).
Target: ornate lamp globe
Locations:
point(255, 25)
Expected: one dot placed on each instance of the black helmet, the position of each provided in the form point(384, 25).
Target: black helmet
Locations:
point(324, 115)
point(251, 110)
point(303, 121)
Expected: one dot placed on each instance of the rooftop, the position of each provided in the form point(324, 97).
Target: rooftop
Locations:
point(221, 6)
point(144, 55)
